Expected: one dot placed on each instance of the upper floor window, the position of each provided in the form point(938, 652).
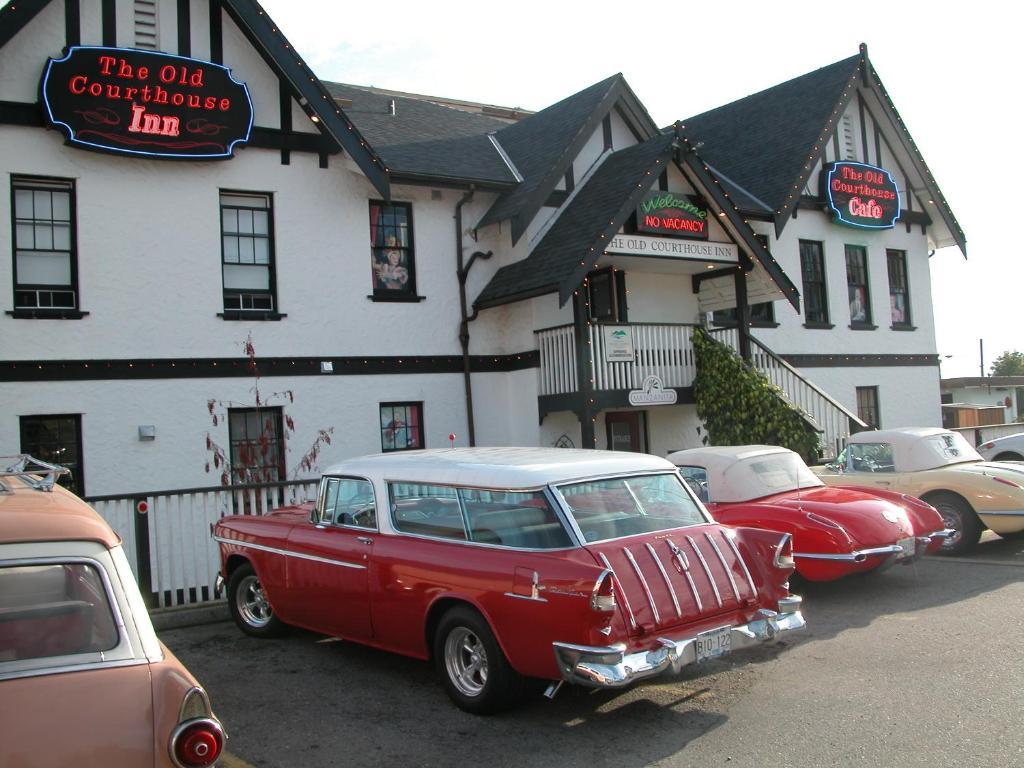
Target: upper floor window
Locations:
point(762, 313)
point(247, 247)
point(392, 258)
point(45, 257)
point(812, 269)
point(857, 284)
point(899, 292)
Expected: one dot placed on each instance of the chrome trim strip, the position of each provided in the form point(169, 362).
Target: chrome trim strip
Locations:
point(668, 581)
point(700, 556)
point(1007, 513)
point(526, 597)
point(63, 669)
point(681, 558)
point(288, 553)
point(625, 600)
point(857, 556)
point(743, 565)
point(725, 565)
point(643, 583)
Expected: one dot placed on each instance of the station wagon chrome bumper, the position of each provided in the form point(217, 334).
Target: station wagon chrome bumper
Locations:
point(612, 667)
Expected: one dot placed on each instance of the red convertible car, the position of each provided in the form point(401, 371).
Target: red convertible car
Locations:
point(836, 531)
point(509, 564)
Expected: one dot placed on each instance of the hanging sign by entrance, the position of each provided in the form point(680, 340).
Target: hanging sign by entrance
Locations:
point(861, 195)
point(146, 103)
point(618, 343)
point(671, 248)
point(666, 213)
point(652, 392)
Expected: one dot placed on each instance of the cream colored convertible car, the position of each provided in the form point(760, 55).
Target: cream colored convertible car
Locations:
point(941, 468)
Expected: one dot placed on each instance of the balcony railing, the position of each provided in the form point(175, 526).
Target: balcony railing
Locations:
point(660, 349)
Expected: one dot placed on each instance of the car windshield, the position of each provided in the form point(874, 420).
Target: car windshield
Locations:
point(626, 506)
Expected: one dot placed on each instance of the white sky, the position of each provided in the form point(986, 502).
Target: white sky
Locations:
point(950, 68)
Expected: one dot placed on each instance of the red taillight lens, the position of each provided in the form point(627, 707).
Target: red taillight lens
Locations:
point(1004, 481)
point(198, 743)
point(603, 597)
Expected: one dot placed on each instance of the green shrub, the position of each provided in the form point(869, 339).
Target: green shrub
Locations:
point(739, 406)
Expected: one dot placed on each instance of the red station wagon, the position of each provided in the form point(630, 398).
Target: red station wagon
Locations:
point(84, 681)
point(509, 564)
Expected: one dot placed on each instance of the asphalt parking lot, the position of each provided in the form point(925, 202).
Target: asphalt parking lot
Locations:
point(920, 665)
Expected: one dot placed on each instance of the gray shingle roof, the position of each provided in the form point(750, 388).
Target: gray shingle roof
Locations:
point(598, 210)
point(762, 141)
point(426, 139)
point(540, 146)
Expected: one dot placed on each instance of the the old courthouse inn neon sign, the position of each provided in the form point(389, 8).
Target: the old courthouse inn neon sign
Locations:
point(146, 103)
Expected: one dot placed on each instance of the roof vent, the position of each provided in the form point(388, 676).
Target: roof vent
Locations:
point(391, 106)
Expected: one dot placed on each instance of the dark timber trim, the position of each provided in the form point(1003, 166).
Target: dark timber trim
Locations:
point(18, 113)
point(72, 23)
point(231, 367)
point(14, 16)
point(184, 28)
point(285, 105)
point(216, 32)
point(860, 361)
point(109, 16)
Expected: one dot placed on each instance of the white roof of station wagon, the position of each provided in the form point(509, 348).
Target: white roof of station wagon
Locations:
point(498, 468)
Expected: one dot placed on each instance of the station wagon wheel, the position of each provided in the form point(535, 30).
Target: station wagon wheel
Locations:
point(249, 606)
point(958, 515)
point(473, 669)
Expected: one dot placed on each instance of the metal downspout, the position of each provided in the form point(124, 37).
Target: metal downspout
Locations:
point(462, 271)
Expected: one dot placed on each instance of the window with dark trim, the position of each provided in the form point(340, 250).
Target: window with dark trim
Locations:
point(247, 251)
point(45, 253)
point(761, 314)
point(56, 439)
point(606, 295)
point(392, 258)
point(257, 445)
point(812, 269)
point(899, 292)
point(857, 285)
point(401, 426)
point(867, 406)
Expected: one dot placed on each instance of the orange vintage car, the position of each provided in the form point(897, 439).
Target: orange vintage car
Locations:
point(84, 681)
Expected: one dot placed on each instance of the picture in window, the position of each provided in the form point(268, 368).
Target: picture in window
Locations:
point(391, 249)
point(401, 426)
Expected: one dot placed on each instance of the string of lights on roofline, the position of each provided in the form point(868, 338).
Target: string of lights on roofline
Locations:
point(851, 86)
point(324, 94)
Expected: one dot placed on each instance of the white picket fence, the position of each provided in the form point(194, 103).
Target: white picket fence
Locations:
point(177, 549)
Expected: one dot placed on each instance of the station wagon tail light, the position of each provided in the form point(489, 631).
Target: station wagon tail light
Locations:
point(197, 743)
point(198, 739)
point(784, 553)
point(602, 599)
point(1004, 481)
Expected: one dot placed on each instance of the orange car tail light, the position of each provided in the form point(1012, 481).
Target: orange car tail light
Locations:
point(197, 743)
point(603, 597)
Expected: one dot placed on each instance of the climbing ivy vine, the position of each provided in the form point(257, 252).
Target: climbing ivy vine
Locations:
point(739, 406)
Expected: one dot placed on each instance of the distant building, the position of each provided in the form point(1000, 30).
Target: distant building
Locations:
point(1003, 392)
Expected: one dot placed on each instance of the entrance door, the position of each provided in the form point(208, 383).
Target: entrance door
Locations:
point(624, 430)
